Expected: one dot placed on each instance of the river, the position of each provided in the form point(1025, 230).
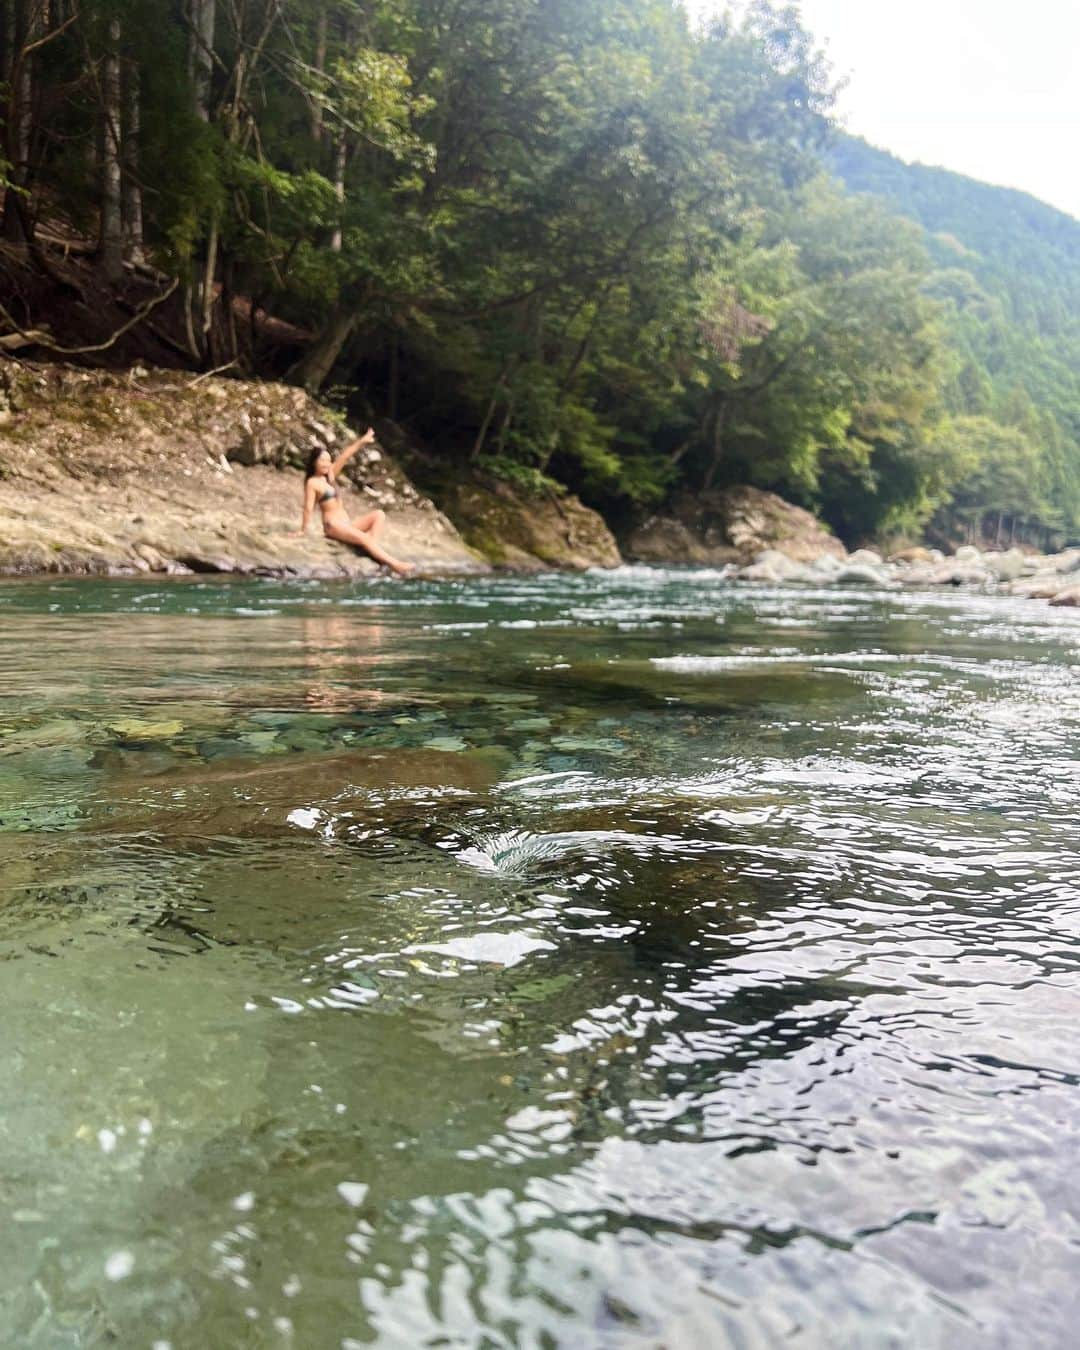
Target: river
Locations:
point(630, 959)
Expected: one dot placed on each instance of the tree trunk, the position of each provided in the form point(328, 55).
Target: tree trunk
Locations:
point(189, 322)
point(133, 212)
point(315, 367)
point(394, 377)
point(340, 156)
point(481, 435)
point(19, 118)
point(504, 425)
point(320, 66)
point(111, 258)
point(719, 422)
point(207, 297)
point(202, 15)
point(228, 304)
point(8, 40)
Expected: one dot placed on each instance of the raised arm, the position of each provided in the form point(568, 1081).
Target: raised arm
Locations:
point(351, 450)
point(309, 506)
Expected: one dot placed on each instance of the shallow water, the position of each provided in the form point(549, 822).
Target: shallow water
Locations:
point(621, 960)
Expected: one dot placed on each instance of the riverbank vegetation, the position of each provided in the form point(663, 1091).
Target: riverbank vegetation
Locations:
point(569, 244)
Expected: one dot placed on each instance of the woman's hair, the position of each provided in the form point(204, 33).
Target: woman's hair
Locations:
point(312, 460)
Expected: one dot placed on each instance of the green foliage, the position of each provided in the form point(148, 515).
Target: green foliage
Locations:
point(1007, 273)
point(579, 243)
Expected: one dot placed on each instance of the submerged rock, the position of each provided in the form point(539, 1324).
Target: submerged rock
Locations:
point(145, 729)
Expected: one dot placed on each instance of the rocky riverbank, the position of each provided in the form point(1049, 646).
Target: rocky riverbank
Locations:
point(160, 471)
point(757, 536)
point(157, 471)
point(1053, 577)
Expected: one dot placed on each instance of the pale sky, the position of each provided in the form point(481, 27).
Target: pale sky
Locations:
point(990, 88)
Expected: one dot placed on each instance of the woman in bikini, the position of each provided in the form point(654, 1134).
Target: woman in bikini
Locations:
point(321, 486)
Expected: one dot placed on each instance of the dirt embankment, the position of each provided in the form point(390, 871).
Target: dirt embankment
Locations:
point(159, 471)
point(163, 472)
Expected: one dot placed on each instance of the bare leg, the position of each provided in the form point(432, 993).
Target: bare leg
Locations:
point(373, 523)
point(349, 534)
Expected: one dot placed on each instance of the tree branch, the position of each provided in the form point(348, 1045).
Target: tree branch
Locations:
point(38, 340)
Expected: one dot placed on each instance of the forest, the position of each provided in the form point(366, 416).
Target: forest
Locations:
point(574, 245)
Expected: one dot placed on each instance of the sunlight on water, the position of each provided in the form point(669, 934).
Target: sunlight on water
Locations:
point(618, 960)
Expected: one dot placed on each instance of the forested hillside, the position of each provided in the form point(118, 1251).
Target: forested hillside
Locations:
point(568, 243)
point(1007, 273)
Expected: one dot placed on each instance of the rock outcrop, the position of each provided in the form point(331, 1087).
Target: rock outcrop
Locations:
point(731, 526)
point(157, 471)
point(512, 527)
point(1054, 577)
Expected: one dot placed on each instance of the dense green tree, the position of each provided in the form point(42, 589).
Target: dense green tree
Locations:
point(572, 243)
point(1007, 271)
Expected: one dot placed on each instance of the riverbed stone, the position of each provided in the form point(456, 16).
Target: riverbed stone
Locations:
point(960, 572)
point(1042, 586)
point(770, 566)
point(863, 574)
point(1007, 566)
point(146, 729)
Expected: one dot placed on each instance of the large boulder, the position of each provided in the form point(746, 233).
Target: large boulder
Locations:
point(1041, 586)
point(510, 526)
point(1007, 566)
point(730, 526)
point(773, 567)
point(864, 574)
point(667, 539)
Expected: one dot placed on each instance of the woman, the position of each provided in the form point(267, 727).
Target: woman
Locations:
point(320, 486)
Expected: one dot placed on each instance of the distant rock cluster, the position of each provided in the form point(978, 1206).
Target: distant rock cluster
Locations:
point(1054, 577)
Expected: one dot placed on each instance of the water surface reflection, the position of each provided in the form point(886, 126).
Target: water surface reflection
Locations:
point(619, 960)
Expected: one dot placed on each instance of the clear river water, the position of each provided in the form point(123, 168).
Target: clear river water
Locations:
point(622, 960)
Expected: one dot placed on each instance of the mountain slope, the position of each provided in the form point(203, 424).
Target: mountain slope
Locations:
point(1008, 277)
